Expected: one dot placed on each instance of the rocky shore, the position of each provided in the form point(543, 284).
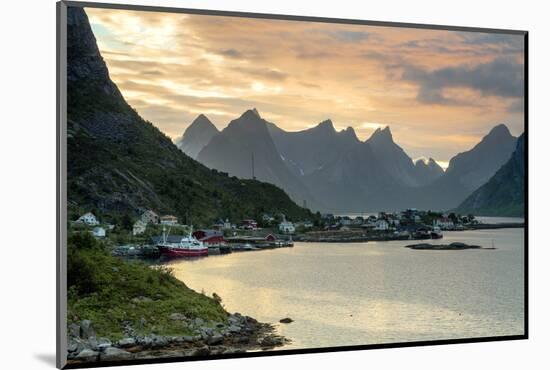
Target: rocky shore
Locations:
point(239, 334)
point(441, 247)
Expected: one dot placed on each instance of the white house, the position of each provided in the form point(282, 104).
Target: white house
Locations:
point(168, 220)
point(444, 223)
point(98, 232)
point(150, 217)
point(345, 221)
point(286, 227)
point(139, 227)
point(382, 225)
point(88, 219)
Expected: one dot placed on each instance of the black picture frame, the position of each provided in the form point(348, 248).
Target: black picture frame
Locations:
point(61, 165)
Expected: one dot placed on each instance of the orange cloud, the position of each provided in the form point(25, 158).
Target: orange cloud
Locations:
point(171, 67)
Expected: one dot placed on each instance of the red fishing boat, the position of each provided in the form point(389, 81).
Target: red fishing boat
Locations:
point(188, 246)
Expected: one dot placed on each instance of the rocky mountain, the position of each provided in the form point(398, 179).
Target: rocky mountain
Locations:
point(307, 151)
point(246, 146)
point(427, 171)
point(503, 194)
point(474, 167)
point(119, 164)
point(467, 171)
point(357, 181)
point(393, 158)
point(196, 136)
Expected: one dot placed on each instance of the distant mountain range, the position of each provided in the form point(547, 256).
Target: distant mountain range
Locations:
point(503, 194)
point(334, 171)
point(246, 149)
point(119, 164)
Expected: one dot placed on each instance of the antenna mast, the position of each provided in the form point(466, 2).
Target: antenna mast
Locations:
point(253, 175)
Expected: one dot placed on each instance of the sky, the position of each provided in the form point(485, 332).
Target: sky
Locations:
point(439, 91)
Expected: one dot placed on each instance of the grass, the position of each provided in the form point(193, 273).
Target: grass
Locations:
point(110, 291)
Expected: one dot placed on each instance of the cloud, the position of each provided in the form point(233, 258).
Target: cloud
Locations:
point(349, 36)
point(171, 67)
point(502, 77)
point(232, 53)
point(517, 105)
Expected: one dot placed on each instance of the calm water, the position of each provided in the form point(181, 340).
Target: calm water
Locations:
point(378, 292)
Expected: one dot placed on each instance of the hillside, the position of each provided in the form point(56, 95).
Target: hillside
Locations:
point(503, 194)
point(119, 163)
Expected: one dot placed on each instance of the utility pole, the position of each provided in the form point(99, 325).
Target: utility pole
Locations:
point(253, 175)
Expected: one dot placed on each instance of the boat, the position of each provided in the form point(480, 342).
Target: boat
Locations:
point(436, 233)
point(188, 246)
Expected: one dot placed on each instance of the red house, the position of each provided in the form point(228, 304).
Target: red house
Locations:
point(210, 237)
point(270, 238)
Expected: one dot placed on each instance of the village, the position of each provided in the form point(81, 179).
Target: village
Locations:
point(273, 231)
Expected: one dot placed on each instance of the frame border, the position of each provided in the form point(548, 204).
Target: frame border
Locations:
point(61, 195)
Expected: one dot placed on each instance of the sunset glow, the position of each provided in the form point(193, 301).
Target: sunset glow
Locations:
point(439, 91)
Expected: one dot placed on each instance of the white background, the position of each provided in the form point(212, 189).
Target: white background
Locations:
point(27, 207)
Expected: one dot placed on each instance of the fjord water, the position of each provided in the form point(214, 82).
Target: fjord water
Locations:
point(376, 292)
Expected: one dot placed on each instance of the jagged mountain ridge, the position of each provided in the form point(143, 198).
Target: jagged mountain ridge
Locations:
point(246, 145)
point(341, 173)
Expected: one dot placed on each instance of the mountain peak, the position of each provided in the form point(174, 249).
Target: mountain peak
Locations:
point(201, 120)
point(252, 112)
point(500, 130)
point(382, 135)
point(350, 132)
point(326, 124)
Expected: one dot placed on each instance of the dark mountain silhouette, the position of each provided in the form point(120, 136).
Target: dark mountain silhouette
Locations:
point(307, 151)
point(393, 158)
point(244, 146)
point(503, 194)
point(474, 167)
point(427, 172)
point(335, 171)
point(119, 164)
point(197, 136)
point(467, 171)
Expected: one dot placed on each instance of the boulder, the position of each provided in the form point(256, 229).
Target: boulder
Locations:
point(87, 355)
point(86, 329)
point(201, 351)
point(126, 342)
point(103, 343)
point(271, 341)
point(286, 320)
point(115, 354)
point(159, 341)
point(74, 330)
point(234, 329)
point(215, 339)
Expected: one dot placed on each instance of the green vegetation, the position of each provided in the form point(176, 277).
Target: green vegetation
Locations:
point(118, 164)
point(111, 291)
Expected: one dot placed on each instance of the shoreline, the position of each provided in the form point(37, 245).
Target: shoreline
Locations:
point(240, 334)
point(348, 237)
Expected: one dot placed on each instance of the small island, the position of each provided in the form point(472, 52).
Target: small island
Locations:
point(445, 247)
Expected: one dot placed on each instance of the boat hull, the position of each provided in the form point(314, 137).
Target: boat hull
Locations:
point(182, 252)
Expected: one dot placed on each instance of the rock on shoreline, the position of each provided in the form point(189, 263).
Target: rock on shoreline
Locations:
point(442, 247)
point(239, 334)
